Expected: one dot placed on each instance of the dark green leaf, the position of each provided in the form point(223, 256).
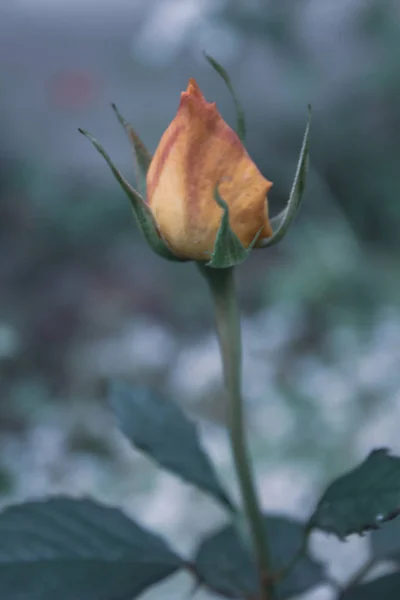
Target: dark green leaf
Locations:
point(143, 215)
point(385, 588)
point(159, 428)
point(142, 157)
point(281, 223)
point(78, 550)
point(225, 565)
point(228, 249)
point(385, 541)
point(362, 499)
point(240, 121)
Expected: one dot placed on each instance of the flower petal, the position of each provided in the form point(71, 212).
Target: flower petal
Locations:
point(197, 152)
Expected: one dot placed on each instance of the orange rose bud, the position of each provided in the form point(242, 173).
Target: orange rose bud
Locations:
point(198, 153)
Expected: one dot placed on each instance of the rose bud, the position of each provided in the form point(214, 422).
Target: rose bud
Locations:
point(198, 153)
point(201, 196)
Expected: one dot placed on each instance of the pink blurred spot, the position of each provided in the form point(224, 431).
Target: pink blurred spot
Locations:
point(72, 90)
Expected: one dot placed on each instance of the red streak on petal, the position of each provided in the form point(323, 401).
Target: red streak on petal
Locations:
point(153, 181)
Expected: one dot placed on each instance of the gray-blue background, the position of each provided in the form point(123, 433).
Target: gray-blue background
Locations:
point(82, 298)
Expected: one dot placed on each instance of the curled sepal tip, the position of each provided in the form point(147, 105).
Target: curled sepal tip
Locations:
point(240, 120)
point(142, 157)
point(281, 223)
point(228, 249)
point(142, 213)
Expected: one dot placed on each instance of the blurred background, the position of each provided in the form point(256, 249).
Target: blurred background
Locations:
point(82, 298)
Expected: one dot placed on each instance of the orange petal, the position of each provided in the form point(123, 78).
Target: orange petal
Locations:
point(198, 152)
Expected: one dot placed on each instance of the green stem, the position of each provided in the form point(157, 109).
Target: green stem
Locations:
point(221, 282)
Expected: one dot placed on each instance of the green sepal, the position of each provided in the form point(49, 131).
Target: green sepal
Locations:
point(281, 223)
point(240, 120)
point(142, 157)
point(143, 215)
point(228, 249)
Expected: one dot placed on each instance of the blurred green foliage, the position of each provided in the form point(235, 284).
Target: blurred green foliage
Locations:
point(73, 268)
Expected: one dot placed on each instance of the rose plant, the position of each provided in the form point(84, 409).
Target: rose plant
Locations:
point(201, 198)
